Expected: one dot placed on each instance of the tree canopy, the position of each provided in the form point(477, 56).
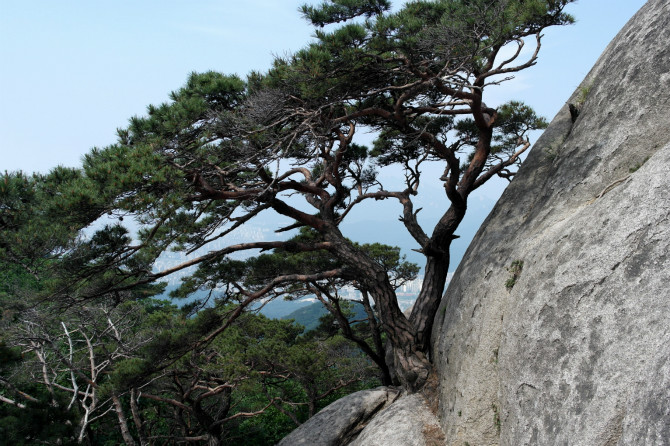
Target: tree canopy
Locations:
point(295, 142)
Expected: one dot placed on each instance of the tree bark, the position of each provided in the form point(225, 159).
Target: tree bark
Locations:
point(208, 423)
point(387, 379)
point(135, 411)
point(435, 273)
point(410, 364)
point(123, 421)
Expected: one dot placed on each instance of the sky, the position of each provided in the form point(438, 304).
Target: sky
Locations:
point(73, 71)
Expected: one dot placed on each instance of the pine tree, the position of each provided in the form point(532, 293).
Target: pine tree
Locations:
point(225, 151)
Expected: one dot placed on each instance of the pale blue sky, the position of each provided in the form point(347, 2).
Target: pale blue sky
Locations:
point(71, 72)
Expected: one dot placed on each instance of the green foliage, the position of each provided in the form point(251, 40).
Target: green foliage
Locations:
point(8, 356)
point(637, 165)
point(256, 271)
point(267, 428)
point(41, 422)
point(257, 360)
point(515, 270)
point(262, 359)
point(552, 153)
point(515, 119)
point(335, 11)
point(32, 222)
point(583, 94)
point(496, 417)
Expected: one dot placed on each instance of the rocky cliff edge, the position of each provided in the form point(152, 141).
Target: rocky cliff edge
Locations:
point(555, 329)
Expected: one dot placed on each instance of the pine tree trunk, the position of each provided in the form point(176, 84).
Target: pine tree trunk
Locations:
point(435, 273)
point(428, 301)
point(387, 378)
point(410, 365)
point(409, 337)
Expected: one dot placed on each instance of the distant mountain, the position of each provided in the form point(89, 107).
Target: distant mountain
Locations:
point(308, 316)
point(275, 309)
point(304, 311)
point(280, 308)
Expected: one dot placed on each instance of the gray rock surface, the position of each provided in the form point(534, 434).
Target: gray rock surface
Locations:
point(578, 351)
point(406, 422)
point(339, 422)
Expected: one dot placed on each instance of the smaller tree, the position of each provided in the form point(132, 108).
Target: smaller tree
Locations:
point(254, 273)
point(72, 354)
point(256, 367)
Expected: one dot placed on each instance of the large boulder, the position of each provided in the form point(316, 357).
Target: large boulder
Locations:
point(555, 329)
point(407, 422)
point(339, 422)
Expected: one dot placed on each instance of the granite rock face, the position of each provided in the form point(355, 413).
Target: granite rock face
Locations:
point(339, 422)
point(406, 422)
point(571, 345)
